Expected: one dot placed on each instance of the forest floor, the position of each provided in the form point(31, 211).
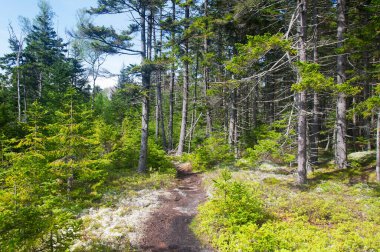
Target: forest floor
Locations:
point(148, 217)
point(153, 214)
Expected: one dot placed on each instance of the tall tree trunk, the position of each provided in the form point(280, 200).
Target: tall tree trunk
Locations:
point(159, 94)
point(145, 76)
point(161, 112)
point(232, 120)
point(341, 128)
point(314, 135)
point(254, 105)
point(237, 120)
point(40, 85)
point(206, 76)
point(150, 35)
point(18, 95)
point(157, 80)
point(194, 109)
point(19, 52)
point(367, 93)
point(301, 96)
point(185, 99)
point(24, 98)
point(172, 80)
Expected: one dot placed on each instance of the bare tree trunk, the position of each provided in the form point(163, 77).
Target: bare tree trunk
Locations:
point(315, 120)
point(254, 105)
point(157, 80)
point(232, 126)
point(24, 98)
point(185, 99)
point(237, 119)
point(157, 112)
point(161, 112)
point(341, 127)
point(194, 111)
point(367, 93)
point(19, 52)
point(206, 78)
point(171, 88)
point(40, 85)
point(301, 97)
point(150, 35)
point(145, 75)
point(159, 96)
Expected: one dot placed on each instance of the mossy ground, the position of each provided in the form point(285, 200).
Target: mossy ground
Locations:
point(338, 210)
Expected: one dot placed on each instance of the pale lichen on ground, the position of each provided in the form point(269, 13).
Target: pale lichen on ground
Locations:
point(117, 227)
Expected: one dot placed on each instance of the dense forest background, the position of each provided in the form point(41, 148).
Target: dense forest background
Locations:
point(238, 82)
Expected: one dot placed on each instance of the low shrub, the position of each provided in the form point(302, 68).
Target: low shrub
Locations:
point(215, 150)
point(234, 210)
point(271, 216)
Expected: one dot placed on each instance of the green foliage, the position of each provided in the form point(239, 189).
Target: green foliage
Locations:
point(213, 151)
point(302, 220)
point(54, 170)
point(125, 154)
point(234, 210)
point(255, 48)
point(270, 146)
point(370, 105)
point(312, 78)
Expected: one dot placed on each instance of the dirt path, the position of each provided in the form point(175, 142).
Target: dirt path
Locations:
point(168, 227)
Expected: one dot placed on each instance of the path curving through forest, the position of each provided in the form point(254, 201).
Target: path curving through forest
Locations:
point(167, 228)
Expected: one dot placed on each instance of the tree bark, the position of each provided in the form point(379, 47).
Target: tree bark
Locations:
point(232, 125)
point(314, 135)
point(341, 127)
point(194, 109)
point(301, 97)
point(19, 52)
point(206, 77)
point(171, 87)
point(185, 98)
point(145, 75)
point(254, 105)
point(159, 95)
point(161, 112)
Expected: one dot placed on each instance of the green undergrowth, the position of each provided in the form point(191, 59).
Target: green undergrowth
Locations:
point(127, 183)
point(250, 212)
point(215, 151)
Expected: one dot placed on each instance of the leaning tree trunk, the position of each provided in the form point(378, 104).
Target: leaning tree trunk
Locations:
point(145, 75)
point(301, 97)
point(194, 108)
point(341, 127)
point(185, 98)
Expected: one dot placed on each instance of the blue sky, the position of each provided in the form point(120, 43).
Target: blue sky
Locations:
point(65, 19)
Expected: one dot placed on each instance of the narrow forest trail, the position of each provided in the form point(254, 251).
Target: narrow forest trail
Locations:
point(167, 228)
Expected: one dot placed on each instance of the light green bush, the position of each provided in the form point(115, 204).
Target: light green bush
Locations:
point(273, 217)
point(215, 150)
